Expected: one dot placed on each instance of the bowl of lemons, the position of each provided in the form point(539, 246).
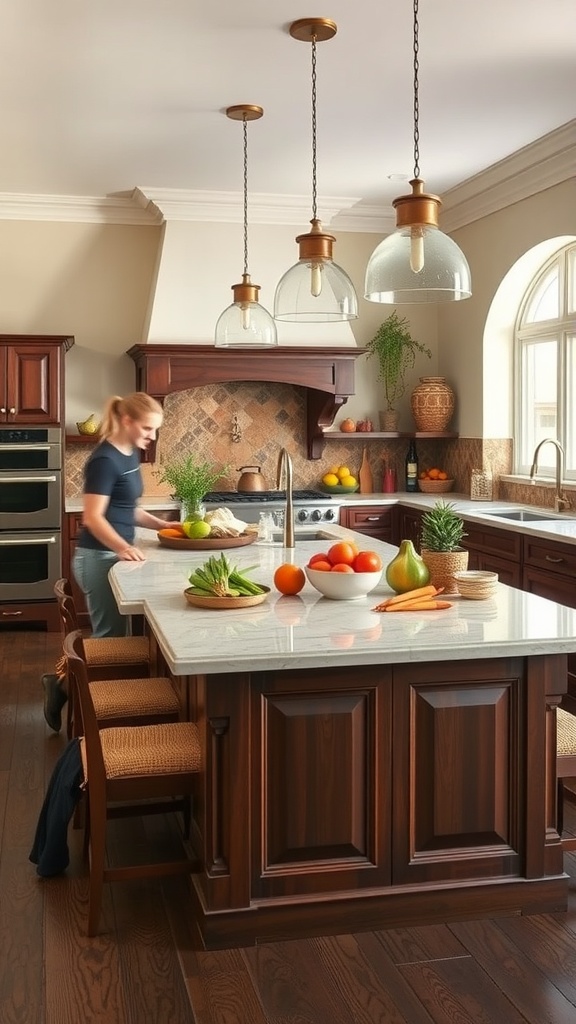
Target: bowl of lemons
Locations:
point(339, 480)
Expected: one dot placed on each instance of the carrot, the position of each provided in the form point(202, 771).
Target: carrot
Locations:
point(410, 595)
point(418, 606)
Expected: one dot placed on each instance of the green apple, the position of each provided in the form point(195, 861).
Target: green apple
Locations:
point(196, 530)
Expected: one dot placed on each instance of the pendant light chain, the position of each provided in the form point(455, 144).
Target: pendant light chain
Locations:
point(416, 100)
point(314, 203)
point(245, 128)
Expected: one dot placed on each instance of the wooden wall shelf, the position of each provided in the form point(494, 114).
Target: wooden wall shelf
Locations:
point(377, 435)
point(81, 439)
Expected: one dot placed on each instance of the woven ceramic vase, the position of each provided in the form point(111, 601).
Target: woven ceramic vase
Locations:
point(432, 404)
point(442, 565)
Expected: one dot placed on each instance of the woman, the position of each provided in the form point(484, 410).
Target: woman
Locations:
point(110, 514)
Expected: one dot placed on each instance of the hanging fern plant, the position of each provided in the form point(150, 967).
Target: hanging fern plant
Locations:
point(396, 351)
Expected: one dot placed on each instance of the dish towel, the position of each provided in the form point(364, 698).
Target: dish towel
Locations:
point(50, 848)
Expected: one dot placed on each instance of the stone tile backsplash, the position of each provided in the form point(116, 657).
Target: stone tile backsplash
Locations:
point(263, 417)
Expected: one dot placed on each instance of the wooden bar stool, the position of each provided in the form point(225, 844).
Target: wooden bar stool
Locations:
point(565, 767)
point(106, 657)
point(156, 763)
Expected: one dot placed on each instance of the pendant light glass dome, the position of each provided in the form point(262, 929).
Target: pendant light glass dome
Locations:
point(315, 289)
point(245, 324)
point(418, 262)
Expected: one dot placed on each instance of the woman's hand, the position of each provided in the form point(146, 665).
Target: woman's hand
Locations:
point(131, 554)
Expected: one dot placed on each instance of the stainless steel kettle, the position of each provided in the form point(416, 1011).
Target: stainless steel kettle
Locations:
point(251, 479)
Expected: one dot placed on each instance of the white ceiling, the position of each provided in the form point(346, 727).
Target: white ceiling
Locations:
point(99, 97)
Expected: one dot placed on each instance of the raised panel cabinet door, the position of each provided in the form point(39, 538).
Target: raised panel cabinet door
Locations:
point(409, 526)
point(457, 760)
point(321, 781)
point(33, 384)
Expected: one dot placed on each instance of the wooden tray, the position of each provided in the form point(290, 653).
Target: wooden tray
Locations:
point(221, 603)
point(208, 543)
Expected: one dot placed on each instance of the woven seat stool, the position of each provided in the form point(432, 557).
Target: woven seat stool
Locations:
point(565, 767)
point(131, 770)
point(106, 657)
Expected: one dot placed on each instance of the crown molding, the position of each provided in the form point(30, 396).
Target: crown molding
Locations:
point(544, 163)
point(339, 212)
point(80, 209)
point(538, 166)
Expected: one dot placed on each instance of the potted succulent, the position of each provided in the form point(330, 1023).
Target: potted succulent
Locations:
point(396, 351)
point(191, 478)
point(441, 535)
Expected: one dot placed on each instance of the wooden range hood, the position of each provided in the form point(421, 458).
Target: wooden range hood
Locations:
point(327, 374)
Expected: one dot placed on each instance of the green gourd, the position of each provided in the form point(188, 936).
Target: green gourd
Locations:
point(407, 570)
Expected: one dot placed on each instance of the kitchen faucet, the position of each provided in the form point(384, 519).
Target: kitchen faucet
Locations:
point(560, 500)
point(285, 465)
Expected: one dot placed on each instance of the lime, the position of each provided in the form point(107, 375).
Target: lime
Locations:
point(197, 530)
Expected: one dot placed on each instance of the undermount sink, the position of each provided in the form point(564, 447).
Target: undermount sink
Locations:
point(522, 515)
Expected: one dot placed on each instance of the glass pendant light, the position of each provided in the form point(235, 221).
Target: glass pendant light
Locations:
point(245, 324)
point(315, 290)
point(418, 262)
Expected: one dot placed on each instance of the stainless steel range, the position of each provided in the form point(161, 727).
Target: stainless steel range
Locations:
point(312, 509)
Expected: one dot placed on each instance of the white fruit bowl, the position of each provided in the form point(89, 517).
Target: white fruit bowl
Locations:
point(343, 586)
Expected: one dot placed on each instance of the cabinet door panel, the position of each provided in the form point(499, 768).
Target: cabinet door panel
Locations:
point(33, 383)
point(321, 792)
point(456, 803)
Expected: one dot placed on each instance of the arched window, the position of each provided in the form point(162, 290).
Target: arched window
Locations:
point(545, 367)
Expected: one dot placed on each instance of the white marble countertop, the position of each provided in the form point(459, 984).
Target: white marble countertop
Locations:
point(309, 631)
point(563, 528)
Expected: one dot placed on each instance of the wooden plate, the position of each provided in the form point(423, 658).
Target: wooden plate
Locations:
point(208, 543)
point(220, 603)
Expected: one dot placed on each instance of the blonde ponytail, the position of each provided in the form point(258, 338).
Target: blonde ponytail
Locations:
point(137, 405)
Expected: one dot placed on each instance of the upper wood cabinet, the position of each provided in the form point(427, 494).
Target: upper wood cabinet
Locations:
point(326, 373)
point(31, 378)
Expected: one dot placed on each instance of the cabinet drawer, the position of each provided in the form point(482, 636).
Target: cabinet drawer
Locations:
point(374, 520)
point(505, 543)
point(550, 555)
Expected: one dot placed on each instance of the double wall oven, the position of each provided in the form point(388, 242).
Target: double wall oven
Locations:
point(30, 514)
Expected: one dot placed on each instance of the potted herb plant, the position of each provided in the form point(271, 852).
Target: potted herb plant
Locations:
point(441, 535)
point(191, 478)
point(396, 351)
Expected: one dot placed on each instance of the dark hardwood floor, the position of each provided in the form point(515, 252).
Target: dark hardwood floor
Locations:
point(145, 967)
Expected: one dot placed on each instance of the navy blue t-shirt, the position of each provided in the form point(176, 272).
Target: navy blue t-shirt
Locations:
point(108, 471)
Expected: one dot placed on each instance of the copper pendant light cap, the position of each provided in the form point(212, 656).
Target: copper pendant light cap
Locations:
point(308, 29)
point(244, 112)
point(315, 244)
point(246, 291)
point(417, 208)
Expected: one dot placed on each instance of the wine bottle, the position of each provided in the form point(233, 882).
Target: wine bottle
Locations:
point(412, 467)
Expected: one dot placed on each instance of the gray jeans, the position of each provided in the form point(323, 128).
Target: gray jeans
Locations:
point(91, 568)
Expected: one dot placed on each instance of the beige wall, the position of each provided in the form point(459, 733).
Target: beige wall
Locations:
point(493, 246)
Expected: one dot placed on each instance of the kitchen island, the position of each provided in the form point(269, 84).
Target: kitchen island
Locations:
point(362, 769)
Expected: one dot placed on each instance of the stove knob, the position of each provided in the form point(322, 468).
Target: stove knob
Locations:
point(302, 515)
point(330, 514)
point(316, 515)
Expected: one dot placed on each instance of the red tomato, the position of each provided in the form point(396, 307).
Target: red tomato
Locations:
point(321, 566)
point(318, 558)
point(342, 567)
point(342, 552)
point(367, 561)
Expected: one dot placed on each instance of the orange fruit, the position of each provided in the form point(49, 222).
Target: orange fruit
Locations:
point(171, 531)
point(442, 475)
point(341, 567)
point(367, 561)
point(341, 551)
point(289, 579)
